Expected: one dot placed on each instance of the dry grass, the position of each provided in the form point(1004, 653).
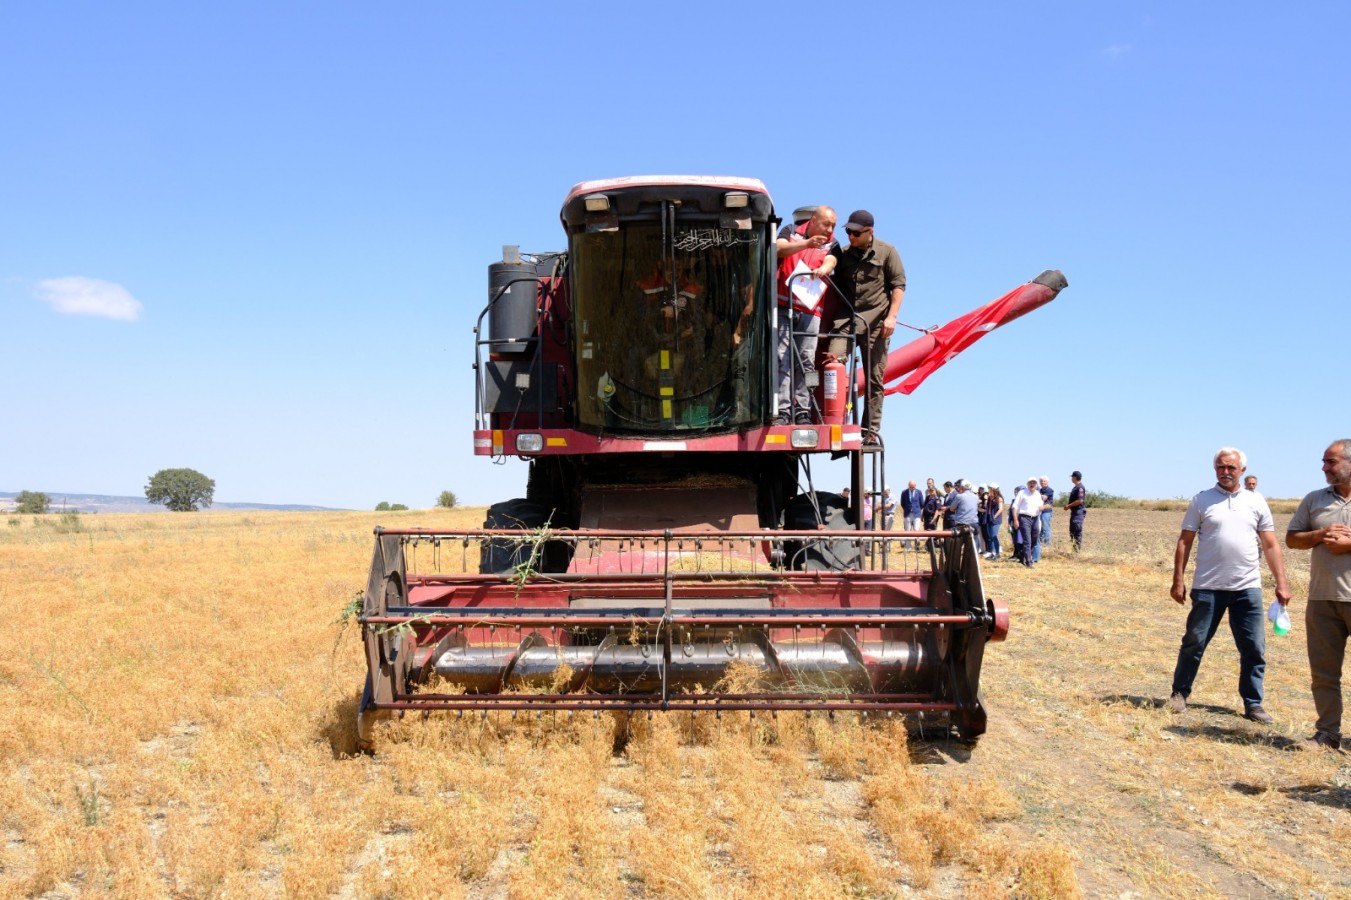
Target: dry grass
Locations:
point(176, 717)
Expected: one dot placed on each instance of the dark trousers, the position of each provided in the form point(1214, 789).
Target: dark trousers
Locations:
point(867, 330)
point(1245, 621)
point(1029, 531)
point(1077, 527)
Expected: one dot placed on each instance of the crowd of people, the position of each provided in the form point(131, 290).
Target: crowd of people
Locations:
point(985, 509)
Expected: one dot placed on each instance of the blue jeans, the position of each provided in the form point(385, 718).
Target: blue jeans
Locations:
point(1046, 528)
point(1245, 621)
point(992, 538)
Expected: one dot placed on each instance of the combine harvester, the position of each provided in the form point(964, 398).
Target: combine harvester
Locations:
point(671, 551)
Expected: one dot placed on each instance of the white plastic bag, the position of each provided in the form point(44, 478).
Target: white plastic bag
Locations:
point(1280, 618)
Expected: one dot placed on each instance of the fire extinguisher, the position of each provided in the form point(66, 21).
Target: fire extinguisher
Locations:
point(834, 391)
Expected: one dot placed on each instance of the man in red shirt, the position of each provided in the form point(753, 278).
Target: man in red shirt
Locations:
point(799, 321)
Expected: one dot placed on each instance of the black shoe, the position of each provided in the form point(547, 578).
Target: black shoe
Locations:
point(802, 419)
point(1258, 714)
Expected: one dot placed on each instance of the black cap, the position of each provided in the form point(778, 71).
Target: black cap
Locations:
point(1076, 474)
point(859, 218)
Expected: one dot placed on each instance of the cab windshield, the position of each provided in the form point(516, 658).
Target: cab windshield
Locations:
point(668, 327)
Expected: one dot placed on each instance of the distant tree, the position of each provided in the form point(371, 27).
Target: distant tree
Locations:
point(1104, 500)
point(34, 502)
point(395, 507)
point(447, 500)
point(181, 490)
point(382, 506)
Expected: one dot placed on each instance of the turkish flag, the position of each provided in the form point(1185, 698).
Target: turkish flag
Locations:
point(959, 334)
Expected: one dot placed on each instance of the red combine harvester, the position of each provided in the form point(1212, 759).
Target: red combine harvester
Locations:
point(671, 551)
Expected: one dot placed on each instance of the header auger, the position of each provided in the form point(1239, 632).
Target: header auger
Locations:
point(671, 551)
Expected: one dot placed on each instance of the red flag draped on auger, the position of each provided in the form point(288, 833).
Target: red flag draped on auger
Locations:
point(924, 355)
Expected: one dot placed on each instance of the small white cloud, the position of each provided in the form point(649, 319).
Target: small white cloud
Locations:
point(77, 296)
point(1116, 51)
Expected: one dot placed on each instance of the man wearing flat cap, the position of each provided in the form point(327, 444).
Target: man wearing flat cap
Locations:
point(871, 277)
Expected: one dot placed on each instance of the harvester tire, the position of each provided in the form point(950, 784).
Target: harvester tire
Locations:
point(504, 556)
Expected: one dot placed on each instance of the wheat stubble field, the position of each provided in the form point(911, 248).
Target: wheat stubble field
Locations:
point(177, 697)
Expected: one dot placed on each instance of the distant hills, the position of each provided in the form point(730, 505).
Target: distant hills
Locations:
point(96, 503)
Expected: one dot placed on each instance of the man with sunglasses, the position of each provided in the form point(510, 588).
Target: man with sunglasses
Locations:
point(1232, 525)
point(869, 273)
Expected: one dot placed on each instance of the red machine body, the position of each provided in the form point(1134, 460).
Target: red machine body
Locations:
point(669, 532)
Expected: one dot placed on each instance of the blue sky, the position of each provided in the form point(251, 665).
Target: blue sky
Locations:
point(252, 239)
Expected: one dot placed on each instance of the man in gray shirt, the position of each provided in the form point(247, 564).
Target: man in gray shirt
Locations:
point(1232, 524)
point(1322, 523)
point(962, 505)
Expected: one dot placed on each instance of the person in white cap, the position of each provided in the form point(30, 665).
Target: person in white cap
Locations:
point(1027, 517)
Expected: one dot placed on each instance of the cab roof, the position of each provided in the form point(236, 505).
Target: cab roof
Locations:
point(728, 182)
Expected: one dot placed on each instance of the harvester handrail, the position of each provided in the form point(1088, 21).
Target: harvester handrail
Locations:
point(486, 616)
point(765, 534)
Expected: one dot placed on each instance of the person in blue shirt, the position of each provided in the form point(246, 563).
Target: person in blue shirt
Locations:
point(1048, 501)
point(961, 507)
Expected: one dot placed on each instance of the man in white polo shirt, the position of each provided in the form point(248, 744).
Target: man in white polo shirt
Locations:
point(1232, 524)
point(1027, 519)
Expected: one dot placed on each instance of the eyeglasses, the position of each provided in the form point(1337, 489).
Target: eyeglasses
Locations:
point(855, 232)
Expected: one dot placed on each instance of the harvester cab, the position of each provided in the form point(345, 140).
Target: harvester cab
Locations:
point(671, 551)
